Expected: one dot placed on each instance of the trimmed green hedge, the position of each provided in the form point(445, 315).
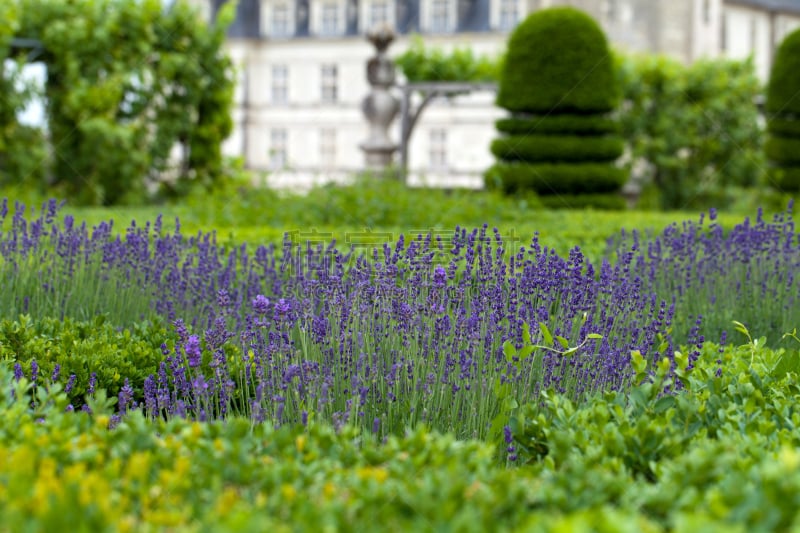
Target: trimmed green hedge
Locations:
point(557, 148)
point(572, 124)
point(784, 126)
point(555, 179)
point(558, 59)
point(783, 103)
point(784, 150)
point(784, 82)
point(84, 348)
point(786, 178)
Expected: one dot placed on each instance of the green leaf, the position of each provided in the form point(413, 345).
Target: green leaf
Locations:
point(741, 328)
point(509, 351)
point(546, 335)
point(638, 362)
point(562, 341)
point(595, 336)
point(525, 352)
point(526, 333)
point(664, 403)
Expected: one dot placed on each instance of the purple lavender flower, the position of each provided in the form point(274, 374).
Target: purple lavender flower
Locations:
point(439, 277)
point(70, 383)
point(125, 396)
point(283, 306)
point(92, 383)
point(18, 374)
point(261, 304)
point(34, 370)
point(56, 372)
point(193, 352)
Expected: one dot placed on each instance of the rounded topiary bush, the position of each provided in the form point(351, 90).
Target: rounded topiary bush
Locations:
point(558, 60)
point(558, 83)
point(783, 109)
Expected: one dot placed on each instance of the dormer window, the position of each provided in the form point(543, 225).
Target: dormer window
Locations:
point(509, 14)
point(506, 14)
point(441, 16)
point(375, 13)
point(328, 17)
point(277, 18)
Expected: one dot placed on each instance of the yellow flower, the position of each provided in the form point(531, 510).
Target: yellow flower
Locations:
point(301, 443)
point(101, 421)
point(227, 499)
point(289, 492)
point(789, 457)
point(329, 490)
point(372, 472)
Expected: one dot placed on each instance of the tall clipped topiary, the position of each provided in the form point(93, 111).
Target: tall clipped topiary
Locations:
point(558, 83)
point(783, 109)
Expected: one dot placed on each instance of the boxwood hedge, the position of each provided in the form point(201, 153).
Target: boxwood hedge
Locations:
point(557, 148)
point(558, 83)
point(572, 124)
point(783, 108)
point(558, 179)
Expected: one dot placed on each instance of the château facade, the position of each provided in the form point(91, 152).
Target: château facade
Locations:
point(301, 67)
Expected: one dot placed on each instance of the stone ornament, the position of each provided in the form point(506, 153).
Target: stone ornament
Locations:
point(380, 106)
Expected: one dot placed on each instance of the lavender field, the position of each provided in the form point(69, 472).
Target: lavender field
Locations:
point(461, 335)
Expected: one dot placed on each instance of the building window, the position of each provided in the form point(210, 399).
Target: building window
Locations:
point(277, 149)
point(508, 14)
point(706, 12)
point(440, 16)
point(438, 149)
point(329, 24)
point(378, 13)
point(327, 147)
point(280, 84)
point(611, 10)
point(280, 21)
point(329, 84)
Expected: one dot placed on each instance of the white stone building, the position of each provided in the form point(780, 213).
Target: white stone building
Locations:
point(302, 72)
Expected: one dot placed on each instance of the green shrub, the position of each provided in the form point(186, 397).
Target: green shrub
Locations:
point(783, 149)
point(555, 179)
point(783, 97)
point(783, 107)
point(692, 130)
point(557, 148)
point(558, 83)
point(608, 201)
point(787, 178)
point(421, 63)
point(558, 60)
point(573, 124)
point(784, 127)
point(83, 348)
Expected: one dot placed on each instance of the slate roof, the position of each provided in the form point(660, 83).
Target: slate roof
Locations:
point(789, 6)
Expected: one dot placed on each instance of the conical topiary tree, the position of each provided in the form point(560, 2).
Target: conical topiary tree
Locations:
point(783, 110)
point(559, 84)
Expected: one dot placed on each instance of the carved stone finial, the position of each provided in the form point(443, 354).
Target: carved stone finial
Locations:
point(381, 36)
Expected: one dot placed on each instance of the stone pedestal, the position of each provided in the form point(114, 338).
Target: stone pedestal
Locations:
point(380, 106)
